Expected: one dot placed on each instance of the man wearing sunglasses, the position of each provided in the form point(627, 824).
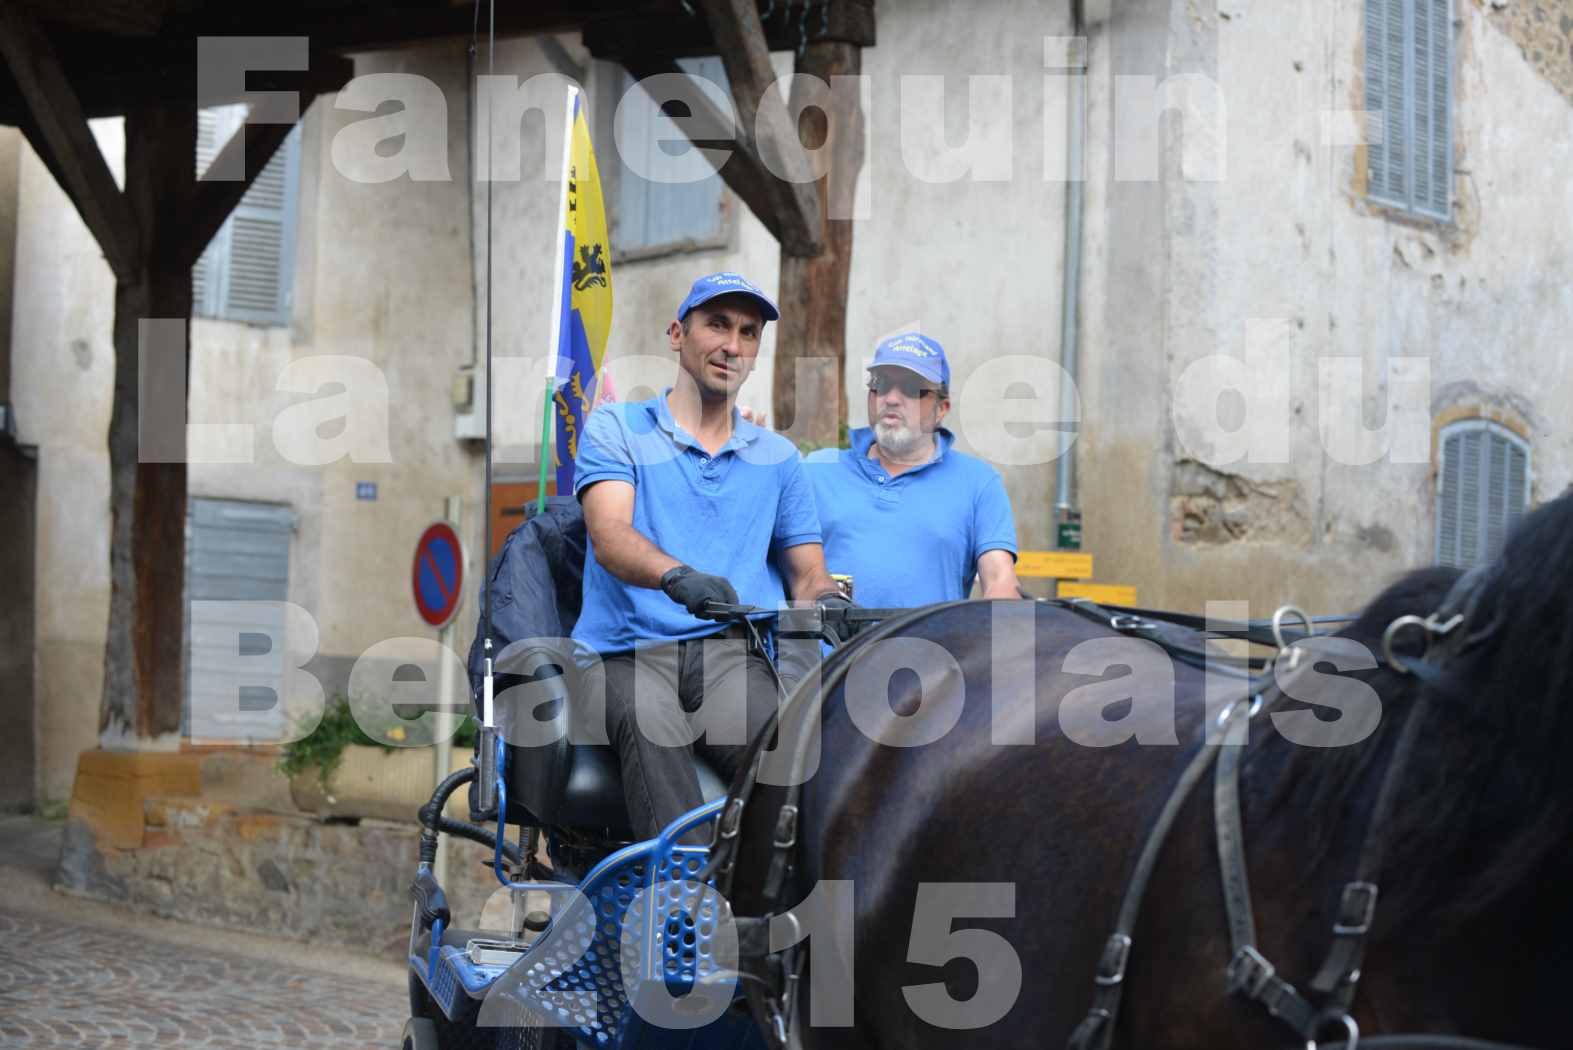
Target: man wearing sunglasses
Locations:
point(903, 513)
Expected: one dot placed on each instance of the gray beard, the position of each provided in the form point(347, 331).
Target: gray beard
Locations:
point(899, 441)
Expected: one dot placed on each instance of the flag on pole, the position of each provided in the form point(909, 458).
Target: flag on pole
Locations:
point(583, 289)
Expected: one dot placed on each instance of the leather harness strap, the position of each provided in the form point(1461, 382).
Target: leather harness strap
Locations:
point(768, 977)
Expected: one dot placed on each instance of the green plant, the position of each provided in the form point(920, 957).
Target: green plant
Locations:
point(323, 749)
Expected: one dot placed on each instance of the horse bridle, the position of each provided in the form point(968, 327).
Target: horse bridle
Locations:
point(769, 978)
point(1249, 973)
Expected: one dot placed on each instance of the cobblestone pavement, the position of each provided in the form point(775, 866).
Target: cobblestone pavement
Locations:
point(63, 984)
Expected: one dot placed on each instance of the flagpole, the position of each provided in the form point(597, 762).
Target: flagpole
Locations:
point(564, 274)
point(486, 771)
point(546, 442)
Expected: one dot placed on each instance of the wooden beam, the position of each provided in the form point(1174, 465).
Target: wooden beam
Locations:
point(792, 200)
point(143, 686)
point(120, 17)
point(808, 399)
point(664, 36)
point(744, 173)
point(107, 85)
point(54, 108)
point(214, 199)
point(380, 25)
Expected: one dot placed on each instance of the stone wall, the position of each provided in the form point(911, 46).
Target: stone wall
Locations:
point(1543, 30)
point(345, 883)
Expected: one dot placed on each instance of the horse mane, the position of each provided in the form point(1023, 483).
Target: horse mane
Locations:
point(1486, 798)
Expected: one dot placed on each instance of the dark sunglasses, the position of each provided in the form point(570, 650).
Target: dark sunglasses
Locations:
point(913, 388)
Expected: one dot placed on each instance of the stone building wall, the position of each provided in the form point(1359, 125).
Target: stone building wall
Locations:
point(1543, 30)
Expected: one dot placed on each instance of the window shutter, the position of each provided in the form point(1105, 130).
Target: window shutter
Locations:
point(1482, 492)
point(650, 215)
point(247, 271)
point(262, 242)
point(1469, 497)
point(1449, 505)
point(214, 127)
point(1495, 510)
point(235, 551)
point(1408, 85)
point(1433, 66)
point(1517, 484)
point(1440, 153)
point(1386, 99)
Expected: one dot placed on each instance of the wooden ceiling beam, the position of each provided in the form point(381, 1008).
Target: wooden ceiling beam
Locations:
point(844, 21)
point(118, 17)
point(215, 199)
point(790, 197)
point(64, 137)
point(743, 172)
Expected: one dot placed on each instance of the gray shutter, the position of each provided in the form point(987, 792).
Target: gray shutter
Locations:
point(214, 127)
point(1469, 497)
point(1449, 514)
point(1495, 509)
point(1385, 94)
point(237, 552)
point(262, 242)
point(1517, 484)
point(1432, 153)
point(1439, 152)
point(1408, 80)
point(247, 271)
point(1483, 492)
point(650, 215)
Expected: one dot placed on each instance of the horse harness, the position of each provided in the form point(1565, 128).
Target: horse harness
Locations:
point(770, 977)
point(1249, 974)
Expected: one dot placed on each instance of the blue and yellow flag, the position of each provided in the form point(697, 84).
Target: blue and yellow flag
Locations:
point(585, 280)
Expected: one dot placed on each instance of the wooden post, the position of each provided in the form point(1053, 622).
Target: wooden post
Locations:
point(143, 683)
point(813, 329)
point(151, 234)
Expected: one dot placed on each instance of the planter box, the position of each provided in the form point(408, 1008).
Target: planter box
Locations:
point(384, 785)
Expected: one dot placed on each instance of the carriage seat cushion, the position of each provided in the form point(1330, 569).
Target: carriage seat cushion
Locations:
point(594, 796)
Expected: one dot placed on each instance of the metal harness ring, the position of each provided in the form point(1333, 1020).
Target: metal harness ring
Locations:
point(1329, 1018)
point(1391, 633)
point(1282, 613)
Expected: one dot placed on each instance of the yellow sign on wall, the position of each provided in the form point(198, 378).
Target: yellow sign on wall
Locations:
point(1058, 565)
point(1102, 593)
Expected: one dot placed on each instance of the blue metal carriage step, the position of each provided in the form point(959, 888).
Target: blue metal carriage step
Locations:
point(639, 954)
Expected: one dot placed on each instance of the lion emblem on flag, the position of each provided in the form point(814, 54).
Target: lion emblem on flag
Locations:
point(589, 270)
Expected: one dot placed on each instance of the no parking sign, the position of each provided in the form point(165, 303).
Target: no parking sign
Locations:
point(437, 576)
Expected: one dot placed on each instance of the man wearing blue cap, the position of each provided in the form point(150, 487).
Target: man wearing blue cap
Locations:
point(683, 496)
point(908, 517)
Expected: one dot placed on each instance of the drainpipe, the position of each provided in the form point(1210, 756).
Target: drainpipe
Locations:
point(1067, 517)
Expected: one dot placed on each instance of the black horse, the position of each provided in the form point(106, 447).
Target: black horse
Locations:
point(1474, 923)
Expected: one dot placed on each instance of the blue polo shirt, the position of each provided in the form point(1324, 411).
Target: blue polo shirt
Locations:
point(914, 538)
point(726, 514)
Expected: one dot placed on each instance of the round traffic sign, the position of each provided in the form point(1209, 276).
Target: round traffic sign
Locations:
point(437, 576)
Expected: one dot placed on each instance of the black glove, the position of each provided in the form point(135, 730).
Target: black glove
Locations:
point(835, 602)
point(692, 589)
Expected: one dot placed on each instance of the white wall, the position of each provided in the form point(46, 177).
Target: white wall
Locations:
point(63, 368)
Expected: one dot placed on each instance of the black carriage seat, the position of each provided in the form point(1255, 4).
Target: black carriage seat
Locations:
point(536, 596)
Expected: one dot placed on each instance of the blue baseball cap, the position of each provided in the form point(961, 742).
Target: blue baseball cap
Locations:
point(916, 353)
point(727, 283)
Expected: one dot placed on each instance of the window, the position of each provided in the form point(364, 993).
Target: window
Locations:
point(1482, 491)
point(1408, 94)
point(650, 218)
point(236, 552)
point(247, 271)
